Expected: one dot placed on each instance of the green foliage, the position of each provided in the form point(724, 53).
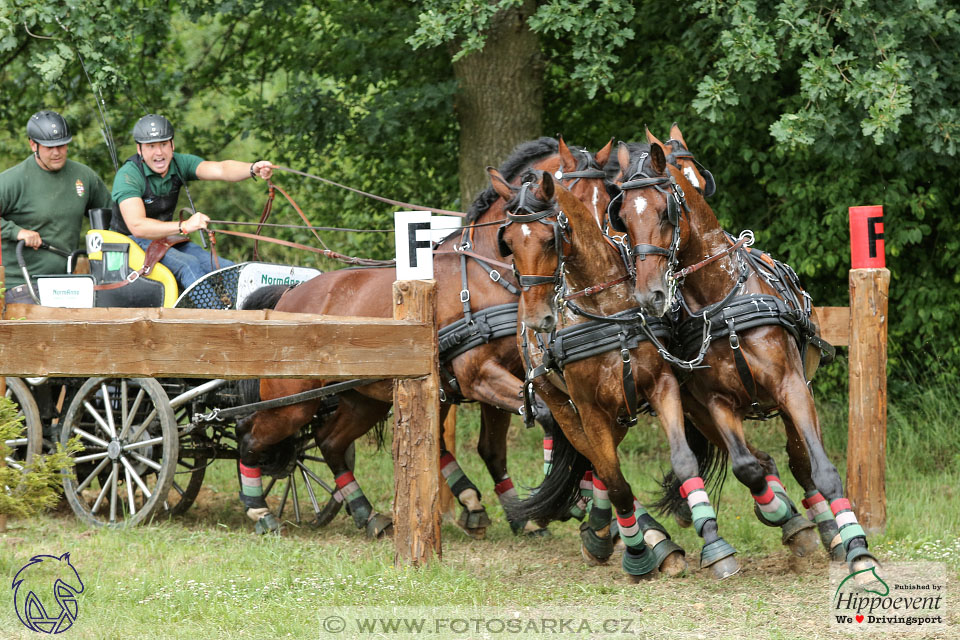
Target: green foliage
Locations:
point(800, 110)
point(27, 492)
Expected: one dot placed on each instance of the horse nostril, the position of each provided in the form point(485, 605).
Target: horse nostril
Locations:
point(658, 299)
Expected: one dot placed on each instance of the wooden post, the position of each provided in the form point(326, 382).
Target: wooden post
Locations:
point(416, 439)
point(867, 431)
point(448, 502)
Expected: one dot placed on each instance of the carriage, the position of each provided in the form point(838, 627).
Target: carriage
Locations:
point(147, 442)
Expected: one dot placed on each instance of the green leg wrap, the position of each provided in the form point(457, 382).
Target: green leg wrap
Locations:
point(599, 547)
point(715, 551)
point(639, 561)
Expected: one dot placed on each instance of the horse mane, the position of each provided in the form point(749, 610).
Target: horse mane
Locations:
point(522, 156)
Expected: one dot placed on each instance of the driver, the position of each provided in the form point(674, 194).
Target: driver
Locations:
point(44, 199)
point(146, 189)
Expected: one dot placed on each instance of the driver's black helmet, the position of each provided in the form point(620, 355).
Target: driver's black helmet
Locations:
point(152, 128)
point(48, 128)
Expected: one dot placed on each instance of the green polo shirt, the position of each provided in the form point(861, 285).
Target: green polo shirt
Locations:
point(130, 182)
point(52, 203)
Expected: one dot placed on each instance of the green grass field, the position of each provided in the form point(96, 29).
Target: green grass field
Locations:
point(206, 575)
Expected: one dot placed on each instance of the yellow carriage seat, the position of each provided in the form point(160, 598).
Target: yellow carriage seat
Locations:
point(113, 257)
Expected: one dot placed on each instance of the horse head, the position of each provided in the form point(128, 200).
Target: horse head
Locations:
point(536, 236)
point(678, 154)
point(652, 214)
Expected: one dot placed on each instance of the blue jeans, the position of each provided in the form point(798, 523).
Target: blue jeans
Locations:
point(188, 261)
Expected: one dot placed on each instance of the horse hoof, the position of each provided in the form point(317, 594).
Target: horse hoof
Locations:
point(675, 562)
point(474, 523)
point(267, 524)
point(725, 567)
point(804, 542)
point(379, 526)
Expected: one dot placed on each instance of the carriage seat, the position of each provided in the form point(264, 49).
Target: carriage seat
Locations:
point(113, 256)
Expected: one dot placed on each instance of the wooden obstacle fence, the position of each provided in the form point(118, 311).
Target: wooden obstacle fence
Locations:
point(188, 343)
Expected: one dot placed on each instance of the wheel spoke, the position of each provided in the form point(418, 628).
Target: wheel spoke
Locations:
point(296, 499)
point(136, 476)
point(96, 416)
point(318, 480)
point(283, 501)
point(103, 490)
point(111, 426)
point(96, 471)
point(143, 443)
point(13, 464)
point(147, 461)
point(91, 457)
point(92, 438)
point(113, 493)
point(143, 425)
point(130, 497)
point(132, 413)
point(306, 482)
point(270, 484)
point(16, 442)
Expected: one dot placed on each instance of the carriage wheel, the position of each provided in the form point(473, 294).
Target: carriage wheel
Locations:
point(125, 471)
point(30, 443)
point(309, 488)
point(192, 464)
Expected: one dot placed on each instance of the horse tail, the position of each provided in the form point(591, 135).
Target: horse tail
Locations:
point(712, 464)
point(265, 297)
point(560, 488)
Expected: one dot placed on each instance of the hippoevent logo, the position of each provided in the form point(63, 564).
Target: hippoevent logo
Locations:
point(896, 597)
point(45, 594)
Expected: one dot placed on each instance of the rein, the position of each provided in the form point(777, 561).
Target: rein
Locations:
point(745, 239)
point(416, 207)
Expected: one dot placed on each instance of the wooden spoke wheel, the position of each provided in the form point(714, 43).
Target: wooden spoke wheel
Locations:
point(125, 472)
point(308, 491)
point(30, 442)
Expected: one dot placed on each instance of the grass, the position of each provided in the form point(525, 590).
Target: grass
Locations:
point(206, 575)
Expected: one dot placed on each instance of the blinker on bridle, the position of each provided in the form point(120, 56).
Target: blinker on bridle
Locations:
point(561, 231)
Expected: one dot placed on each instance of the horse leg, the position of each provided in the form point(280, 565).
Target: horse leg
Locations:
point(797, 532)
point(818, 511)
point(255, 433)
point(473, 519)
point(355, 415)
point(717, 553)
point(493, 449)
point(797, 403)
point(663, 392)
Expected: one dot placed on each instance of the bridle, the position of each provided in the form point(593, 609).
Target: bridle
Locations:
point(679, 151)
point(676, 205)
point(534, 211)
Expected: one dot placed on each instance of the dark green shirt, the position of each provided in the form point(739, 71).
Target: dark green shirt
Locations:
point(52, 203)
point(130, 183)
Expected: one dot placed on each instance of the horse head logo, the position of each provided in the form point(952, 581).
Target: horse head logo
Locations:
point(45, 593)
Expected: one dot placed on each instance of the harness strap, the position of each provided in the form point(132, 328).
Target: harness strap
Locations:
point(743, 367)
point(627, 381)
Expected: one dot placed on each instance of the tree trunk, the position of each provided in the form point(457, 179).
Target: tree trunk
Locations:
point(499, 103)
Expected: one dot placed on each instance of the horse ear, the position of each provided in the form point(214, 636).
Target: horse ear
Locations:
point(546, 186)
point(603, 156)
point(566, 156)
point(652, 139)
point(676, 135)
point(657, 160)
point(623, 157)
point(500, 185)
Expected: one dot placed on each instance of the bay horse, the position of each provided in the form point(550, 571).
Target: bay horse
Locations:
point(753, 335)
point(487, 372)
point(594, 383)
